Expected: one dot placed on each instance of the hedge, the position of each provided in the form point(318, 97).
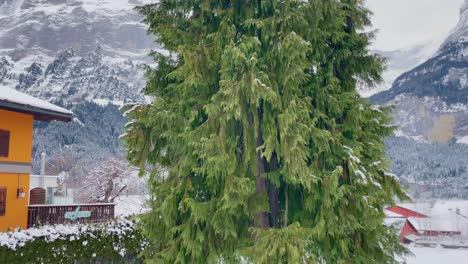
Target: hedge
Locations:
point(116, 242)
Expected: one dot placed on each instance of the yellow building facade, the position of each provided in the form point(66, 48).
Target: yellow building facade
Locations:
point(15, 168)
point(18, 112)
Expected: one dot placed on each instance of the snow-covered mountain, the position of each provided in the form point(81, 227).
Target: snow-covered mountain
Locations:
point(73, 50)
point(70, 78)
point(432, 98)
point(49, 26)
point(460, 33)
point(400, 61)
point(82, 54)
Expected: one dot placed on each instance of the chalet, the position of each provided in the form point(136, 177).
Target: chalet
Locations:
point(421, 221)
point(431, 227)
point(18, 111)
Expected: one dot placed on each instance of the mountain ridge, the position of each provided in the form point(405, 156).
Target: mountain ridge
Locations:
point(431, 100)
point(74, 51)
point(399, 62)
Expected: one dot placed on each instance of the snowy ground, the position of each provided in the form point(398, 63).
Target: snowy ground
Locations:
point(136, 204)
point(437, 256)
point(131, 205)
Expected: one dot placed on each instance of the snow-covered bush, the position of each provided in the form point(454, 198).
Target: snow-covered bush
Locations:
point(119, 242)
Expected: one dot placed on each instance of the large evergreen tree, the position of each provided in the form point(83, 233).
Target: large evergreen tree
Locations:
point(260, 146)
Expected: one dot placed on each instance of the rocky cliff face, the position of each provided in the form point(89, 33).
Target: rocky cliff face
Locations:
point(432, 99)
point(73, 51)
point(54, 25)
point(429, 119)
point(73, 79)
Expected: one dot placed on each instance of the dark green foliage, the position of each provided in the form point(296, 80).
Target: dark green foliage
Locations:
point(119, 243)
point(260, 146)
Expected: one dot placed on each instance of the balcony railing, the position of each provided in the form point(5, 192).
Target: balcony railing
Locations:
point(64, 214)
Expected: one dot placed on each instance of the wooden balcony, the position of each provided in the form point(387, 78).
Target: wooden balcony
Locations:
point(69, 214)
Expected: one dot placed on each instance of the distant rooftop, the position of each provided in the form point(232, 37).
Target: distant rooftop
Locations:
point(449, 223)
point(16, 101)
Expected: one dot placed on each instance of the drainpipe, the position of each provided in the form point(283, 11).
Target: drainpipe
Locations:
point(43, 162)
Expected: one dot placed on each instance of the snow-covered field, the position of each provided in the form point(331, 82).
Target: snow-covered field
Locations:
point(437, 256)
point(131, 205)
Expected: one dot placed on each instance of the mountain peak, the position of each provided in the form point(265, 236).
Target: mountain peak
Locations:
point(464, 7)
point(460, 32)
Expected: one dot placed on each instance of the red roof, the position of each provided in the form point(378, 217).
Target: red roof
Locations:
point(404, 212)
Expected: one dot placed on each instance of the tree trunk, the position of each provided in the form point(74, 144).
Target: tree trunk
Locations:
point(108, 192)
point(118, 194)
point(262, 220)
point(346, 178)
point(262, 217)
point(273, 195)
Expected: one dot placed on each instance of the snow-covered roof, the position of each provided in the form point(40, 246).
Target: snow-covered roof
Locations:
point(446, 223)
point(13, 100)
point(444, 207)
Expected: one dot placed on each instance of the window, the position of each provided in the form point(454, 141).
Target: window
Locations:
point(4, 143)
point(3, 195)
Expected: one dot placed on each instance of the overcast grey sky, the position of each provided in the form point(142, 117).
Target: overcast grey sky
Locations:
point(404, 23)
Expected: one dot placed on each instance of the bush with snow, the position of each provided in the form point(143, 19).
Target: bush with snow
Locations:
point(119, 242)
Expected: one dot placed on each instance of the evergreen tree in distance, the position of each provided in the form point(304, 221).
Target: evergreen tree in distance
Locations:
point(261, 148)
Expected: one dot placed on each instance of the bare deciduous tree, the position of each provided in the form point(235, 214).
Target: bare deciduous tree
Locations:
point(108, 180)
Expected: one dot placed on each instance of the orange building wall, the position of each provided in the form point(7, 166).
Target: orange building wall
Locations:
point(21, 134)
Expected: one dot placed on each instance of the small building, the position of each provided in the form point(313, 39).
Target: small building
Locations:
point(54, 193)
point(18, 111)
point(434, 227)
point(428, 222)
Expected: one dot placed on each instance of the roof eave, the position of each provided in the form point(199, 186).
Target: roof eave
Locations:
point(38, 113)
